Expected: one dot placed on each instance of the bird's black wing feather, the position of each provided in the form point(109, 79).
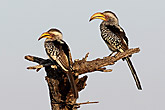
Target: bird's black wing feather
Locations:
point(65, 51)
point(118, 32)
point(65, 48)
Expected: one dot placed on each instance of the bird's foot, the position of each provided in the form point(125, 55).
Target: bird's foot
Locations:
point(116, 54)
point(111, 53)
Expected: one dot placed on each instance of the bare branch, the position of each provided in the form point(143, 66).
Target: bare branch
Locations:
point(82, 67)
point(35, 67)
point(77, 105)
point(86, 103)
point(61, 95)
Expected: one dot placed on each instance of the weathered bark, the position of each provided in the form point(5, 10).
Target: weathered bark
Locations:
point(59, 88)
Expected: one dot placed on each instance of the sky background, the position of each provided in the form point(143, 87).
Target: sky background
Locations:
point(22, 22)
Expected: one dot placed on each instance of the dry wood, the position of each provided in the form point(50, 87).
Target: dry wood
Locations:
point(59, 88)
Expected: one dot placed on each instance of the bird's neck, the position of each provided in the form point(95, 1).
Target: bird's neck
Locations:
point(104, 30)
point(103, 26)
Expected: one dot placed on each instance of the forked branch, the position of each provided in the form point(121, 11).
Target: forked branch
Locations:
point(59, 88)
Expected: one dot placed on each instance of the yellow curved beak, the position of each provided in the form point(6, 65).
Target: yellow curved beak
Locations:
point(45, 35)
point(98, 16)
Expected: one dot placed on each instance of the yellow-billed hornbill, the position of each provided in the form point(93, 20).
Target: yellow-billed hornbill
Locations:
point(115, 37)
point(58, 51)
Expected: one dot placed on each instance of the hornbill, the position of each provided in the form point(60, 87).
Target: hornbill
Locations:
point(115, 37)
point(58, 51)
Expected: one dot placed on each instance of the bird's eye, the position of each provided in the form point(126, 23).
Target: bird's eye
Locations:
point(106, 17)
point(53, 35)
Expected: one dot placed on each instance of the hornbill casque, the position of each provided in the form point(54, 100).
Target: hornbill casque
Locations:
point(58, 51)
point(115, 37)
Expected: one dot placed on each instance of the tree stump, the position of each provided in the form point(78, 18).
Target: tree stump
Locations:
point(59, 87)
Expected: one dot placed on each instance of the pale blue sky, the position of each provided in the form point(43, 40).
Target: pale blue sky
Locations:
point(22, 22)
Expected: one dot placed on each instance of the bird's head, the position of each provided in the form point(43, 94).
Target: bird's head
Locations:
point(52, 34)
point(107, 16)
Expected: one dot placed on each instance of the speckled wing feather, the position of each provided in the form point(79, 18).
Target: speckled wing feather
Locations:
point(119, 33)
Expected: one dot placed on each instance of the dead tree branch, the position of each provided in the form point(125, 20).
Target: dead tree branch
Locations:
point(59, 88)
